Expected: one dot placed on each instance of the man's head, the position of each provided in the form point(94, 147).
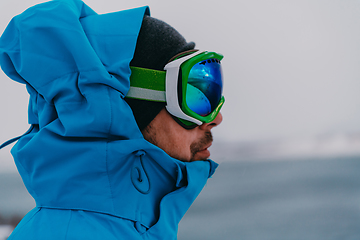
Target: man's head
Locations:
point(157, 44)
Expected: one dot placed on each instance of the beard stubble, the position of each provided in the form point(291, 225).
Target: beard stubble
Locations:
point(199, 145)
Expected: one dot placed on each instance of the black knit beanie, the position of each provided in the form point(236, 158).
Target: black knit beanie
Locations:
point(157, 43)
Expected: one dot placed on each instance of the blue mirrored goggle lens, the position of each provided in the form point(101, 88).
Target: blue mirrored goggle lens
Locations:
point(204, 87)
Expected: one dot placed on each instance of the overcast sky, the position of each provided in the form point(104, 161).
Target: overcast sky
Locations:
point(291, 66)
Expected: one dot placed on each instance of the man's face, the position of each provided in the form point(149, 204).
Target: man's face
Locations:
point(180, 143)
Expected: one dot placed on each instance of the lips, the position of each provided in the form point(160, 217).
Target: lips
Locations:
point(199, 150)
point(204, 153)
point(205, 148)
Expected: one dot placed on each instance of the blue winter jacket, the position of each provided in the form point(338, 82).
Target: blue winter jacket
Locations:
point(86, 163)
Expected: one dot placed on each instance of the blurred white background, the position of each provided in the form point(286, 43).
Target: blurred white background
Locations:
point(292, 91)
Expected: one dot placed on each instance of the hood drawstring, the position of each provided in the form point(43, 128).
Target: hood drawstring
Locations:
point(17, 138)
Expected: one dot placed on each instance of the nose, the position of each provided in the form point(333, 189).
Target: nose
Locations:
point(212, 124)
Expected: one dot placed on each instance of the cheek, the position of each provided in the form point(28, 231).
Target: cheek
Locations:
point(177, 144)
point(180, 146)
point(171, 137)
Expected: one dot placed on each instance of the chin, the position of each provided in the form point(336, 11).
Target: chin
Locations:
point(201, 155)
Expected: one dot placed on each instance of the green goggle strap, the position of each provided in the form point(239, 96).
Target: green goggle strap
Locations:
point(153, 89)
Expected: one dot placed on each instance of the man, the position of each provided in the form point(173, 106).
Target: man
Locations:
point(102, 157)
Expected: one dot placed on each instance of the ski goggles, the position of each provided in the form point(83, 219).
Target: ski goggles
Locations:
point(191, 86)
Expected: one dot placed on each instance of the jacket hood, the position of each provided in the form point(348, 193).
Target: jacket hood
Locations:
point(86, 151)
